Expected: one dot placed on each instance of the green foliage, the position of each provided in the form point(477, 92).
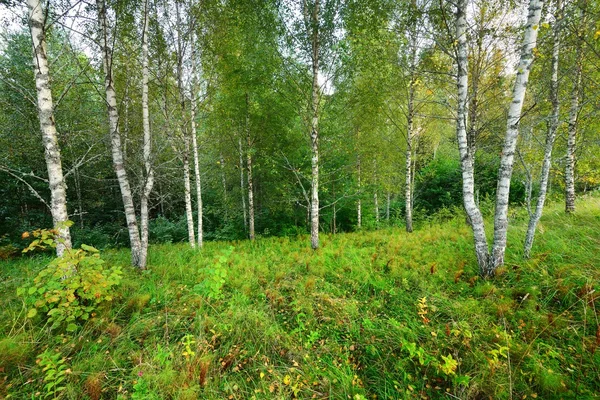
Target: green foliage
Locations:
point(54, 368)
point(215, 277)
point(72, 287)
point(381, 313)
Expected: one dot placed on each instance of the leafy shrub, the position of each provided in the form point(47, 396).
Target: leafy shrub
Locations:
point(215, 278)
point(71, 287)
point(163, 230)
point(55, 372)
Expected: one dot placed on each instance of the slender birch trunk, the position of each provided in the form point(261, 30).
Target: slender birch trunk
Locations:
point(189, 216)
point(551, 136)
point(475, 217)
point(147, 146)
point(387, 207)
point(58, 187)
point(510, 141)
point(314, 134)
point(193, 104)
point(242, 186)
point(375, 199)
point(573, 121)
point(249, 174)
point(200, 229)
point(410, 127)
point(115, 136)
point(359, 202)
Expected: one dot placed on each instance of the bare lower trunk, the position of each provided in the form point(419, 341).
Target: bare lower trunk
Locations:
point(375, 199)
point(242, 186)
point(197, 177)
point(387, 207)
point(572, 129)
point(249, 173)
point(56, 181)
point(200, 229)
point(314, 133)
point(115, 137)
point(553, 126)
point(189, 215)
point(475, 217)
point(148, 171)
point(408, 188)
point(359, 202)
point(510, 141)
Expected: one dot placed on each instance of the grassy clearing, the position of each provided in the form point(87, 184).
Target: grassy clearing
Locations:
point(380, 314)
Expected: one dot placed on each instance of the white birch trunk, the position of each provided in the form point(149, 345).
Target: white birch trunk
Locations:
point(552, 128)
point(359, 202)
point(115, 137)
point(249, 174)
point(475, 217)
point(375, 199)
point(147, 147)
point(56, 181)
point(314, 133)
point(242, 186)
point(193, 104)
point(572, 128)
point(387, 207)
point(512, 133)
point(189, 216)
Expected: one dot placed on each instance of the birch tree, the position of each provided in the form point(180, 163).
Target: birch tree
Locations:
point(148, 172)
point(574, 115)
point(115, 135)
point(551, 135)
point(489, 262)
point(510, 140)
point(56, 181)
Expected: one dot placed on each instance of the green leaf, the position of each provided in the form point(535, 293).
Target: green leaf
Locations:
point(31, 313)
point(32, 290)
point(89, 249)
point(71, 327)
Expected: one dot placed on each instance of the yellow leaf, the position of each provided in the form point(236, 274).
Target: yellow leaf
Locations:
point(287, 380)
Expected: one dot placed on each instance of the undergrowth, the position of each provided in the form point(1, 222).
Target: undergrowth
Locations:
point(381, 314)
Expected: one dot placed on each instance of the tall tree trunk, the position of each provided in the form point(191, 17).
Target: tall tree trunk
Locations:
point(410, 124)
point(58, 187)
point(510, 141)
point(189, 216)
point(375, 199)
point(553, 126)
point(314, 133)
point(249, 174)
point(197, 176)
point(475, 217)
point(147, 146)
point(115, 136)
point(573, 121)
point(242, 186)
point(387, 206)
point(359, 201)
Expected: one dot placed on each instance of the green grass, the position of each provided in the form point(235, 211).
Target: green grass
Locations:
point(369, 315)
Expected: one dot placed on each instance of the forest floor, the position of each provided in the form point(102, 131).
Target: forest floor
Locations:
point(380, 314)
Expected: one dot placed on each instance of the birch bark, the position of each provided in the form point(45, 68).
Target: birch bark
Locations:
point(249, 174)
point(475, 217)
point(193, 105)
point(551, 136)
point(147, 146)
point(314, 134)
point(58, 201)
point(572, 127)
point(115, 136)
point(510, 141)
